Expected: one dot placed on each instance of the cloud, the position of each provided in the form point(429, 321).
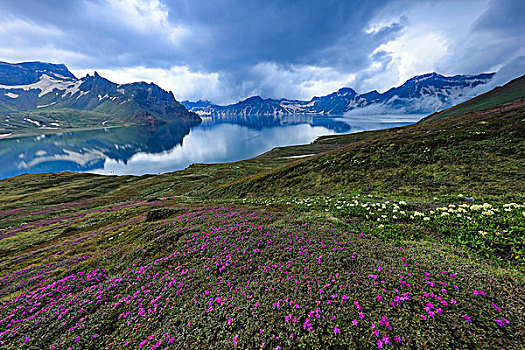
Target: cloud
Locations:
point(413, 52)
point(227, 50)
point(270, 79)
point(513, 68)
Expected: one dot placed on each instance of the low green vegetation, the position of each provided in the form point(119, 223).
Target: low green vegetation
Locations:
point(57, 120)
point(409, 238)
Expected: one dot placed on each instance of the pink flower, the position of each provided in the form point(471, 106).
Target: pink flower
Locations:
point(235, 341)
point(355, 322)
point(499, 322)
point(467, 318)
point(336, 330)
point(397, 339)
point(386, 340)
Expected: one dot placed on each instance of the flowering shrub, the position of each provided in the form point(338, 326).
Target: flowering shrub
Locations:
point(495, 231)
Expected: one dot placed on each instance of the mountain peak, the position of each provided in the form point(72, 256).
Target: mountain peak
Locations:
point(426, 76)
point(346, 90)
point(255, 98)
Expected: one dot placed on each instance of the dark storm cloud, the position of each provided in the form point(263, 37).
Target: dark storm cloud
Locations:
point(222, 34)
point(267, 47)
point(495, 37)
point(289, 32)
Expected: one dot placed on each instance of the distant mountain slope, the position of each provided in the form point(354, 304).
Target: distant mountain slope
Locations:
point(421, 94)
point(35, 90)
point(509, 92)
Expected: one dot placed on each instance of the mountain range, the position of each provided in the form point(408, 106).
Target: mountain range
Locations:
point(48, 95)
point(426, 93)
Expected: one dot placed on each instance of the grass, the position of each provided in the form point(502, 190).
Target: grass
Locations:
point(404, 238)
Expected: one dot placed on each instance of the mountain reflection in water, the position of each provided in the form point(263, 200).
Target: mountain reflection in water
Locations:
point(139, 150)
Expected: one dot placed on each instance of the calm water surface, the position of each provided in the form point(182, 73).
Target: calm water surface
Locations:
point(142, 150)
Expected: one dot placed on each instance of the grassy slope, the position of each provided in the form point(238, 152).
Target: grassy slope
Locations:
point(55, 226)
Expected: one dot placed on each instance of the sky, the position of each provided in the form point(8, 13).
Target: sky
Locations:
point(226, 50)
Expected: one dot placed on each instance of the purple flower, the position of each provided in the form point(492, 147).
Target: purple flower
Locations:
point(467, 318)
point(397, 339)
point(379, 297)
point(499, 322)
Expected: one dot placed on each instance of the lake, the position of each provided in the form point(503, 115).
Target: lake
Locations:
point(141, 150)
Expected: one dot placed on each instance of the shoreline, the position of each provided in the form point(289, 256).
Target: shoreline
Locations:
point(59, 131)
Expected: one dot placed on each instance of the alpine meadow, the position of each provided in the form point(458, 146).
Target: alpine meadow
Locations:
point(307, 215)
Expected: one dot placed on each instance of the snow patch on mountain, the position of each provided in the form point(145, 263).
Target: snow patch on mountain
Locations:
point(47, 84)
